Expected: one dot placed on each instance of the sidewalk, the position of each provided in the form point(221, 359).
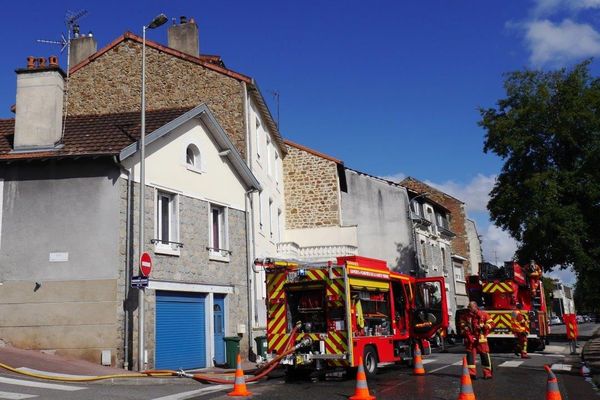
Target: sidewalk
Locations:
point(51, 364)
point(591, 355)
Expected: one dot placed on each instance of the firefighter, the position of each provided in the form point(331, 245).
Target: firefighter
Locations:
point(520, 328)
point(534, 272)
point(475, 326)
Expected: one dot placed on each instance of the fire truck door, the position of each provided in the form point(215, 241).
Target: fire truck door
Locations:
point(431, 312)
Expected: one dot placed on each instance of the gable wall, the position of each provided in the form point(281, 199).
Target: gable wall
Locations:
point(112, 83)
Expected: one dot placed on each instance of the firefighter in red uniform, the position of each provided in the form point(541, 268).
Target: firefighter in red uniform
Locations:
point(520, 327)
point(475, 326)
point(535, 274)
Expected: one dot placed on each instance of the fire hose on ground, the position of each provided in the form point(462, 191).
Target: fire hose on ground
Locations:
point(260, 373)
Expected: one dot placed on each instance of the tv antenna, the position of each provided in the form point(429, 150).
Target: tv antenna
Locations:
point(275, 94)
point(71, 19)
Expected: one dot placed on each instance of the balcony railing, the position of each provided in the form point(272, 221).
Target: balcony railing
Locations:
point(315, 253)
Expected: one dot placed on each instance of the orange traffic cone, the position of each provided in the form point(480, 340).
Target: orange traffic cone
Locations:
point(418, 364)
point(466, 386)
point(239, 384)
point(362, 390)
point(552, 391)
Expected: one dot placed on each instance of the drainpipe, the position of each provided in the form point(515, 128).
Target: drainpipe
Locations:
point(250, 262)
point(129, 214)
point(250, 243)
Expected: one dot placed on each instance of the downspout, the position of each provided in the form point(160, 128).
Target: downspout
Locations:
point(129, 214)
point(250, 243)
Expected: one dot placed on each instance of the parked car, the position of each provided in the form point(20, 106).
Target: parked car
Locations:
point(555, 320)
point(580, 319)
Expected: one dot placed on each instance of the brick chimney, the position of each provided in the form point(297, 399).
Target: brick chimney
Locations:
point(39, 107)
point(184, 37)
point(82, 46)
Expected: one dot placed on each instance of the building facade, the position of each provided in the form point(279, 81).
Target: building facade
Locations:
point(69, 223)
point(179, 75)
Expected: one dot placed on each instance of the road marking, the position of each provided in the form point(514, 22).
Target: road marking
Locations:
point(15, 396)
point(192, 393)
point(561, 367)
point(429, 360)
point(512, 364)
point(41, 385)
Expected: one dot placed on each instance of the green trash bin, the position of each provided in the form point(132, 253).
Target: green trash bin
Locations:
point(261, 346)
point(232, 348)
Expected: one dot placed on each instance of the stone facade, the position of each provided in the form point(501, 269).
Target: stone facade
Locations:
point(311, 188)
point(111, 83)
point(191, 266)
point(458, 218)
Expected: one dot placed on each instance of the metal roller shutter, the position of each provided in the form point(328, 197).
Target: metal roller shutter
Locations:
point(180, 330)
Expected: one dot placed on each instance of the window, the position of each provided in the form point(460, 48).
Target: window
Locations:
point(192, 158)
point(167, 223)
point(271, 217)
point(276, 166)
point(269, 162)
point(415, 206)
point(260, 211)
point(278, 225)
point(218, 233)
point(459, 274)
point(257, 129)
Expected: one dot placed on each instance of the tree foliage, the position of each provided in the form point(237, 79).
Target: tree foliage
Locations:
point(547, 196)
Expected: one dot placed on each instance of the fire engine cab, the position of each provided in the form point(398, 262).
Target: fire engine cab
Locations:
point(323, 316)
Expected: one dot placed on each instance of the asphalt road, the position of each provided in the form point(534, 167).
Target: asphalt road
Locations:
point(586, 329)
point(513, 379)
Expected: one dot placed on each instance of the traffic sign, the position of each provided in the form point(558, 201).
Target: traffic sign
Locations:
point(145, 264)
point(139, 282)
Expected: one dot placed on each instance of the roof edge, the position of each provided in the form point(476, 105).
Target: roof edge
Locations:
point(313, 152)
point(203, 112)
point(157, 46)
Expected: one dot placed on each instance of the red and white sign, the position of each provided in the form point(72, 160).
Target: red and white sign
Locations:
point(145, 264)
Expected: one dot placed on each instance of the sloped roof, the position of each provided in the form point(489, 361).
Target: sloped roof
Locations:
point(117, 134)
point(209, 61)
point(313, 152)
point(90, 135)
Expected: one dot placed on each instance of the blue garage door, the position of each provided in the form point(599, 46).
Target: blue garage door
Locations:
point(180, 330)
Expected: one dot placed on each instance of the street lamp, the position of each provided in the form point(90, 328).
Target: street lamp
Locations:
point(155, 23)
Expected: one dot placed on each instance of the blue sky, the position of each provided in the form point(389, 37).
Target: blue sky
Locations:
point(392, 88)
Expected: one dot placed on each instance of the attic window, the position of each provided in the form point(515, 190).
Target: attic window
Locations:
point(192, 158)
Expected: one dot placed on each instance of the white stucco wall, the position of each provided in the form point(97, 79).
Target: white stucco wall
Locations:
point(215, 181)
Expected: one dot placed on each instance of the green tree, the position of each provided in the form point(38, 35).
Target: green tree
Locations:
point(547, 195)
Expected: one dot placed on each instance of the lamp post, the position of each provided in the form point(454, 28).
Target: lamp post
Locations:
point(155, 23)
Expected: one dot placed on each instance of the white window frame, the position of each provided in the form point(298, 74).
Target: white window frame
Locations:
point(279, 216)
point(269, 161)
point(221, 254)
point(459, 277)
point(276, 166)
point(198, 165)
point(257, 129)
point(173, 211)
point(260, 212)
point(271, 214)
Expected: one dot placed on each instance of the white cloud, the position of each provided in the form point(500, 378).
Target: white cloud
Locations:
point(557, 44)
point(497, 245)
point(545, 7)
point(475, 194)
point(567, 276)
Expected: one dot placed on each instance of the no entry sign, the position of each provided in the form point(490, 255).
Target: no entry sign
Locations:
point(145, 264)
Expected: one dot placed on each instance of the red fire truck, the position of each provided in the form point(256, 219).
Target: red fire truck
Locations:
point(498, 289)
point(323, 316)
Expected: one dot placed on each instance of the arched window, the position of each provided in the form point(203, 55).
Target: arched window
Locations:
point(192, 157)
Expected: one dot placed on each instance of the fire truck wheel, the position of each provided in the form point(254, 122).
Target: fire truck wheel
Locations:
point(370, 360)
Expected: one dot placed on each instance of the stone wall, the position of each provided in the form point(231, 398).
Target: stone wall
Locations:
point(191, 266)
point(311, 190)
point(458, 218)
point(112, 83)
